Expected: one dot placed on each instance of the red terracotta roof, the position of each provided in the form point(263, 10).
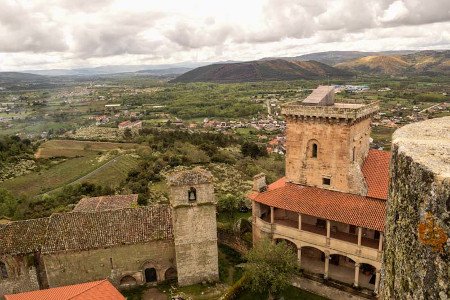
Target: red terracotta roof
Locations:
point(97, 290)
point(336, 206)
point(376, 173)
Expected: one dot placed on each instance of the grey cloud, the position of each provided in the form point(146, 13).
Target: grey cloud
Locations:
point(25, 30)
point(420, 12)
point(116, 34)
point(192, 37)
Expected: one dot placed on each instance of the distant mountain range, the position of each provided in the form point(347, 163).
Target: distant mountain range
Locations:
point(339, 64)
point(276, 69)
point(334, 57)
point(419, 63)
point(308, 66)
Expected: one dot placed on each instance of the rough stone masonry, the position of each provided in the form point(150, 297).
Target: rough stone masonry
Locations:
point(416, 257)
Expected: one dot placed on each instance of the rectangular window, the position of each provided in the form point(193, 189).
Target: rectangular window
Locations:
point(326, 181)
point(352, 229)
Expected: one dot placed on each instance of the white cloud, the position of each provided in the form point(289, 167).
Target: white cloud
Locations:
point(67, 33)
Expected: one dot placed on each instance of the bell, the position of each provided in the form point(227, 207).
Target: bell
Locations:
point(192, 196)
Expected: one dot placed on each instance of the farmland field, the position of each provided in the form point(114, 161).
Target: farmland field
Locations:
point(56, 175)
point(72, 148)
point(71, 161)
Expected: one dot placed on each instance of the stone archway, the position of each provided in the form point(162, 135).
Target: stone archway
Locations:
point(150, 275)
point(170, 274)
point(342, 268)
point(289, 243)
point(312, 260)
point(127, 281)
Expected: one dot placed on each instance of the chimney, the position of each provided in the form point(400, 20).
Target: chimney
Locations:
point(259, 183)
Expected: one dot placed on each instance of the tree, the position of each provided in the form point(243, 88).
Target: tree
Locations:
point(227, 204)
point(270, 266)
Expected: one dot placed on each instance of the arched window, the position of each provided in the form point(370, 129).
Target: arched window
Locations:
point(192, 194)
point(314, 150)
point(3, 270)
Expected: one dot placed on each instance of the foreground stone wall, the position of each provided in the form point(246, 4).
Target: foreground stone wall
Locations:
point(67, 268)
point(417, 252)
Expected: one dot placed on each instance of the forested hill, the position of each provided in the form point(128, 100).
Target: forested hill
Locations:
point(277, 69)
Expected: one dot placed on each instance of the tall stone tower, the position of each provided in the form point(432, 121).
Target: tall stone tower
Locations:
point(417, 250)
point(194, 226)
point(327, 142)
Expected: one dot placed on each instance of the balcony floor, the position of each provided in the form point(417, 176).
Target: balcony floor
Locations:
point(343, 236)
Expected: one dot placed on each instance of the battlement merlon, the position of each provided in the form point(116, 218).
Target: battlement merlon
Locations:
point(344, 111)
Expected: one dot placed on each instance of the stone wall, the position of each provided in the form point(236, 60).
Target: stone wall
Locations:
point(67, 268)
point(21, 276)
point(336, 141)
point(195, 232)
point(417, 252)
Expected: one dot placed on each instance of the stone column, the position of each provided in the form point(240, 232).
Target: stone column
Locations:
point(327, 263)
point(299, 256)
point(299, 221)
point(377, 281)
point(328, 232)
point(272, 215)
point(356, 283)
point(416, 252)
point(380, 243)
point(359, 236)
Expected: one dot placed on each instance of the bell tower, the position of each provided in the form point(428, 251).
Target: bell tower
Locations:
point(194, 226)
point(327, 142)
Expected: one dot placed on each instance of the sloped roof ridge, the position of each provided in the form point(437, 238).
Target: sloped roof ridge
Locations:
point(89, 288)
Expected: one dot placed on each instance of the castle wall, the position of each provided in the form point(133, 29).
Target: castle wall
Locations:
point(417, 251)
point(65, 268)
point(336, 141)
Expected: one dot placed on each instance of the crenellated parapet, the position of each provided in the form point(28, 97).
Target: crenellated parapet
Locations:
point(338, 112)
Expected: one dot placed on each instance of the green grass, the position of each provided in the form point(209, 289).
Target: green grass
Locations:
point(113, 174)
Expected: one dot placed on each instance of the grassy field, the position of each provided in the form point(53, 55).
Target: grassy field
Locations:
point(72, 148)
point(63, 172)
point(101, 163)
point(112, 173)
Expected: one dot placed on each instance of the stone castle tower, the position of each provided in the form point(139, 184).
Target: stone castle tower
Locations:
point(194, 226)
point(417, 252)
point(327, 142)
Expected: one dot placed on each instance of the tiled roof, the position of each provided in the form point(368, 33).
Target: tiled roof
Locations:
point(336, 206)
point(91, 230)
point(96, 290)
point(106, 202)
point(87, 230)
point(22, 236)
point(376, 173)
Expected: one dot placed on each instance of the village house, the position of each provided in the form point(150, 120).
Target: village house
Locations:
point(111, 237)
point(130, 125)
point(330, 206)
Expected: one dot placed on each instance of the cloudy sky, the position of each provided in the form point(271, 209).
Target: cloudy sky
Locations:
point(44, 34)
